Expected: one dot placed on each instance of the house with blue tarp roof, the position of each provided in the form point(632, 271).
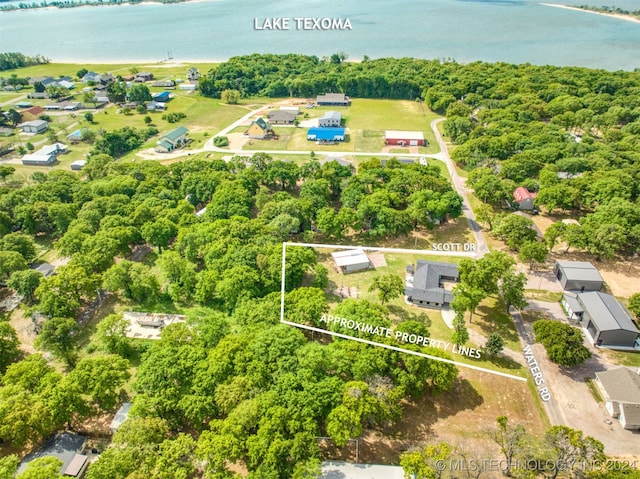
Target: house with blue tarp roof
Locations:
point(325, 134)
point(163, 96)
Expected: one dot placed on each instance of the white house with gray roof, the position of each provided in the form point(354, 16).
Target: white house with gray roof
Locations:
point(621, 390)
point(426, 283)
point(605, 320)
point(578, 276)
point(330, 118)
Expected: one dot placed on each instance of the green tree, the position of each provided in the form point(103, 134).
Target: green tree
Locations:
point(47, 467)
point(159, 233)
point(389, 286)
point(88, 116)
point(8, 466)
point(634, 304)
point(232, 97)
point(533, 251)
point(467, 297)
point(139, 93)
point(511, 440)
point(21, 243)
point(62, 294)
point(9, 346)
point(494, 344)
point(514, 229)
point(100, 378)
point(10, 262)
point(5, 171)
point(25, 282)
point(571, 451)
point(460, 334)
point(57, 337)
point(564, 343)
point(111, 334)
point(426, 463)
point(136, 281)
point(511, 290)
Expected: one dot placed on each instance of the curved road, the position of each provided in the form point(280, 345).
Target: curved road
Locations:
point(443, 155)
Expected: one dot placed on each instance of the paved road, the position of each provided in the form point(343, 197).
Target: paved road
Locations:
point(458, 184)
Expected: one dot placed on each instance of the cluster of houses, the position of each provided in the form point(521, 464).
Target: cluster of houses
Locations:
point(45, 156)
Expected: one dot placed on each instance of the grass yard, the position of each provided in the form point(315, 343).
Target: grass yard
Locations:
point(491, 318)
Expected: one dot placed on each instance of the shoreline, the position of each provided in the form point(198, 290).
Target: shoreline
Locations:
point(96, 4)
point(619, 16)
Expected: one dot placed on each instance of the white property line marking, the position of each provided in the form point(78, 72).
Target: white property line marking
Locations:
point(366, 341)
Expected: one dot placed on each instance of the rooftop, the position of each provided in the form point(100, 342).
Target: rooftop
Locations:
point(332, 115)
point(606, 311)
point(346, 470)
point(580, 270)
point(521, 194)
point(428, 281)
point(403, 135)
point(65, 446)
point(350, 257)
point(176, 133)
point(621, 384)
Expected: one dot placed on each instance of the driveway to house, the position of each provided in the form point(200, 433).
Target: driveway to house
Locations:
point(572, 403)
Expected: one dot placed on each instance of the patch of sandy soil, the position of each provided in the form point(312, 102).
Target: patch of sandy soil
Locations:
point(24, 329)
point(236, 140)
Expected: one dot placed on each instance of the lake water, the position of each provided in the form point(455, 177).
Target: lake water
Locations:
point(514, 31)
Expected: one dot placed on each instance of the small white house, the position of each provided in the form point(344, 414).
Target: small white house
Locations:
point(351, 260)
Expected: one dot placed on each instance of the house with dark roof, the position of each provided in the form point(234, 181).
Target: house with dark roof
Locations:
point(65, 446)
point(524, 198)
point(333, 99)
point(176, 138)
point(606, 322)
point(259, 129)
point(621, 390)
point(45, 269)
point(325, 135)
point(578, 276)
point(143, 77)
point(330, 119)
point(281, 117)
point(426, 283)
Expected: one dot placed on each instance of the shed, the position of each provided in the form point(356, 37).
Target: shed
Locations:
point(330, 119)
point(325, 134)
point(143, 77)
point(578, 276)
point(78, 165)
point(24, 104)
point(291, 109)
point(404, 138)
point(6, 131)
point(188, 86)
point(34, 126)
point(621, 390)
point(65, 446)
point(121, 416)
point(38, 159)
point(75, 136)
point(32, 113)
point(351, 260)
point(524, 198)
point(425, 283)
point(606, 321)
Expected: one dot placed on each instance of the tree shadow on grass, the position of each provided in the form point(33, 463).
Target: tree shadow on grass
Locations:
point(495, 320)
point(403, 315)
point(504, 362)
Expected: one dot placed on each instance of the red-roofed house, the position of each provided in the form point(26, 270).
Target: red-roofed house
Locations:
point(32, 113)
point(524, 198)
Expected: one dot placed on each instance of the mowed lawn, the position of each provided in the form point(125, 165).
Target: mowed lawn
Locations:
point(366, 121)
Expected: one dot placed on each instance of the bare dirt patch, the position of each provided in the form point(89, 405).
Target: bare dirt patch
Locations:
point(377, 260)
point(460, 417)
point(24, 329)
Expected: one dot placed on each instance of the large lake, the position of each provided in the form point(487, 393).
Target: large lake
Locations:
point(514, 31)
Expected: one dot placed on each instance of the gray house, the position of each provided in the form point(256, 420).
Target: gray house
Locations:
point(34, 126)
point(578, 276)
point(330, 118)
point(333, 99)
point(425, 283)
point(621, 390)
point(606, 321)
point(65, 446)
point(281, 117)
